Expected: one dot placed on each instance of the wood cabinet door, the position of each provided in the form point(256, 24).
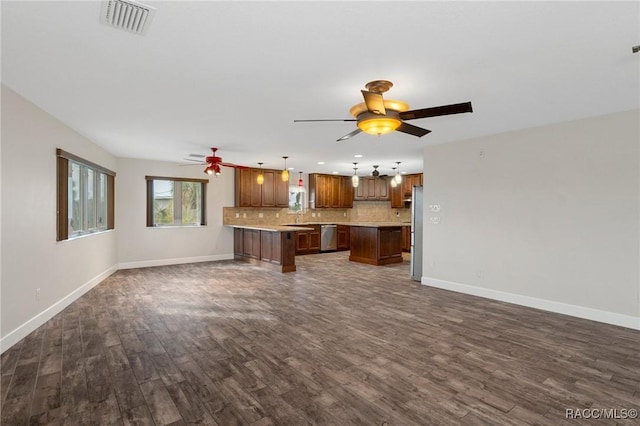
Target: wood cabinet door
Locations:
point(302, 242)
point(251, 243)
point(266, 245)
point(334, 197)
point(281, 190)
point(255, 189)
point(268, 189)
point(370, 191)
point(314, 240)
point(343, 237)
point(346, 193)
point(390, 243)
point(395, 193)
point(360, 191)
point(238, 241)
point(382, 189)
point(243, 187)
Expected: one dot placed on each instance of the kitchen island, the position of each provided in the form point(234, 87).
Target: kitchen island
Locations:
point(273, 246)
point(376, 243)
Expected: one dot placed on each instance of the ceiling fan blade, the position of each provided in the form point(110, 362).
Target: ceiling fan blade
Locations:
point(330, 119)
point(412, 130)
point(236, 166)
point(191, 159)
point(374, 101)
point(347, 136)
point(437, 111)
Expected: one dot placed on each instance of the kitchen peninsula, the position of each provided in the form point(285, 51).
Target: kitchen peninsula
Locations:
point(273, 246)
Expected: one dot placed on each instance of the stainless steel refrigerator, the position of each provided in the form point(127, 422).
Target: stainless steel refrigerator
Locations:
point(416, 233)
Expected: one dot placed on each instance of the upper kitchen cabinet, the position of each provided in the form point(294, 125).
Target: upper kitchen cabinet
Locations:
point(372, 189)
point(402, 193)
point(330, 191)
point(274, 192)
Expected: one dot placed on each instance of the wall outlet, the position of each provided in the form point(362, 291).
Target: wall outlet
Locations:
point(313, 215)
point(319, 214)
point(237, 215)
point(277, 215)
point(38, 293)
point(244, 215)
point(344, 214)
point(260, 215)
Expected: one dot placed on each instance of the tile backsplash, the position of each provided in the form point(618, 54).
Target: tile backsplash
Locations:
point(362, 211)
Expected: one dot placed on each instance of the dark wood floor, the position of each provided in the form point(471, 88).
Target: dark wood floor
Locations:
point(334, 343)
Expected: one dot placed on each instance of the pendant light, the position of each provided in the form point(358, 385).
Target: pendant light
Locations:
point(300, 181)
point(398, 177)
point(260, 178)
point(355, 180)
point(285, 172)
point(393, 179)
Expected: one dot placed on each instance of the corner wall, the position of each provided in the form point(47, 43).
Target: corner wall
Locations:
point(31, 256)
point(142, 246)
point(545, 217)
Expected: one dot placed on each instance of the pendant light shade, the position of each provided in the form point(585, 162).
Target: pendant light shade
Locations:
point(300, 181)
point(393, 180)
point(260, 178)
point(355, 180)
point(398, 177)
point(285, 172)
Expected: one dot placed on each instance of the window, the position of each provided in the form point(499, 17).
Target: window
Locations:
point(176, 201)
point(297, 199)
point(85, 197)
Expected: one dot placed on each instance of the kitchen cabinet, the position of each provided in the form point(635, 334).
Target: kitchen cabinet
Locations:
point(272, 193)
point(272, 247)
point(372, 189)
point(376, 244)
point(402, 192)
point(330, 191)
point(343, 236)
point(406, 238)
point(308, 242)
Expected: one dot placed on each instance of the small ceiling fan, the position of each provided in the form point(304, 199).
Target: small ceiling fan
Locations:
point(213, 163)
point(378, 116)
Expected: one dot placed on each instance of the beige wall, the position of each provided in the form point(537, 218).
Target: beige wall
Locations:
point(31, 257)
point(546, 217)
point(139, 245)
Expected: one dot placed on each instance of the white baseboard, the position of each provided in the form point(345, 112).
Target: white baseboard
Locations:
point(31, 325)
point(176, 261)
point(533, 302)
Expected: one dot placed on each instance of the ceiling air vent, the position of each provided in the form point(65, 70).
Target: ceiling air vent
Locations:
point(127, 15)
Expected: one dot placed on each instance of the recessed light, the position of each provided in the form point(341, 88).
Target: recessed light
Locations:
point(358, 156)
point(320, 162)
point(335, 173)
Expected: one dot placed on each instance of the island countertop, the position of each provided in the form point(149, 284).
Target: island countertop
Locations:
point(272, 228)
point(364, 224)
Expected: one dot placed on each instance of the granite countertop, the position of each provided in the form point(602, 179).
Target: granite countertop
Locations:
point(272, 228)
point(364, 224)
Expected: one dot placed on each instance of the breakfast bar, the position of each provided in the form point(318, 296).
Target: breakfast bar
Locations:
point(272, 246)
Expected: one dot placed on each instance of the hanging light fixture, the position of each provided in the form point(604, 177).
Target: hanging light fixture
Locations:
point(398, 177)
point(393, 179)
point(260, 178)
point(285, 171)
point(213, 169)
point(355, 180)
point(300, 181)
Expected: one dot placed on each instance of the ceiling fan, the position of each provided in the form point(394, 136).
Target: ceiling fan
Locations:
point(213, 163)
point(378, 116)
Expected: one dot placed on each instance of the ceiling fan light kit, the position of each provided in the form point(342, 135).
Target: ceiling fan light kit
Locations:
point(378, 116)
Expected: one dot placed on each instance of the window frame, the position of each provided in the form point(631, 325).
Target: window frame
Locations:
point(64, 160)
point(177, 207)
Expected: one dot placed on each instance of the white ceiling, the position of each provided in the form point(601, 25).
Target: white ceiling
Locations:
point(235, 75)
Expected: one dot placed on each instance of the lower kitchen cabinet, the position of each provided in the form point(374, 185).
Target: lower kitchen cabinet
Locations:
point(343, 237)
point(308, 242)
point(406, 238)
point(265, 247)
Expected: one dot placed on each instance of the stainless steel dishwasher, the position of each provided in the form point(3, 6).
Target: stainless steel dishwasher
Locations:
point(328, 237)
